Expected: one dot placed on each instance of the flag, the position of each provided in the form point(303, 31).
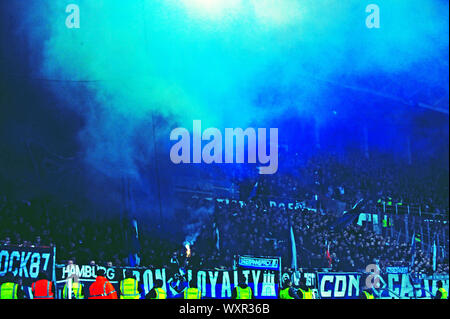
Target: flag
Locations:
point(254, 190)
point(294, 250)
point(216, 236)
point(413, 249)
point(434, 255)
point(135, 247)
point(348, 217)
point(131, 232)
point(327, 253)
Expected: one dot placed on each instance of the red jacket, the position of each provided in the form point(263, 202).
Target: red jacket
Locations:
point(42, 289)
point(101, 288)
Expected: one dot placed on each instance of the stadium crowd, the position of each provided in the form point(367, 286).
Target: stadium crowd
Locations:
point(257, 228)
point(264, 231)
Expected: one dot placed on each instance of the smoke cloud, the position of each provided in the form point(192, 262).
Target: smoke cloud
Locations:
point(210, 60)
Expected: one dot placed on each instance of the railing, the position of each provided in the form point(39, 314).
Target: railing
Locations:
point(412, 209)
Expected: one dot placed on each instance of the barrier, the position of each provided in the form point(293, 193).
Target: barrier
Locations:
point(217, 284)
point(25, 263)
point(398, 286)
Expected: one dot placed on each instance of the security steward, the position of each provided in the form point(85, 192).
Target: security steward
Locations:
point(366, 292)
point(43, 288)
point(304, 292)
point(192, 292)
point(441, 292)
point(9, 289)
point(157, 292)
point(101, 288)
point(129, 286)
point(287, 291)
point(242, 290)
point(79, 291)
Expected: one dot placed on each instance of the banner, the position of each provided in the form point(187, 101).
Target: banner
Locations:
point(271, 263)
point(219, 284)
point(289, 205)
point(27, 262)
point(402, 286)
point(397, 270)
point(216, 284)
point(310, 277)
point(338, 285)
point(346, 286)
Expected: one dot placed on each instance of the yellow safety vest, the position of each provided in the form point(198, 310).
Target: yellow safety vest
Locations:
point(284, 294)
point(77, 291)
point(8, 290)
point(243, 293)
point(443, 292)
point(129, 289)
point(192, 293)
point(385, 222)
point(368, 296)
point(160, 293)
point(307, 294)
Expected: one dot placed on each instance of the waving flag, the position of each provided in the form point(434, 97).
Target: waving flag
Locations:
point(348, 217)
point(328, 255)
point(254, 190)
point(413, 249)
point(294, 250)
point(133, 257)
point(434, 255)
point(216, 235)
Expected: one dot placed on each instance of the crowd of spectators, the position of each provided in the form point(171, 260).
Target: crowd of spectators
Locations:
point(348, 178)
point(86, 239)
point(258, 228)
